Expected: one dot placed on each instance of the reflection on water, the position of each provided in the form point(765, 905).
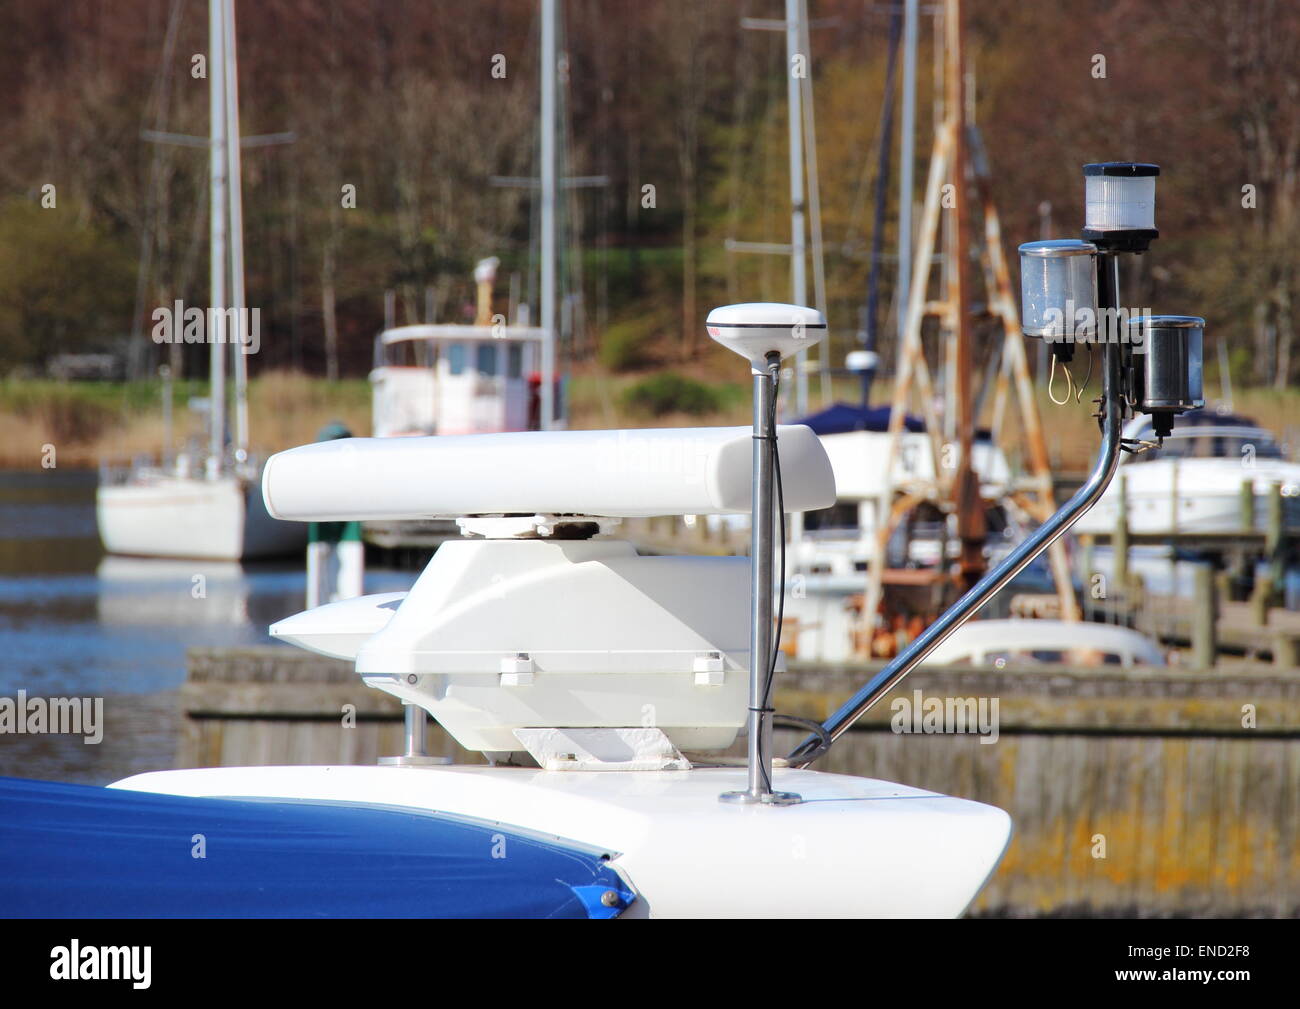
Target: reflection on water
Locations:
point(76, 623)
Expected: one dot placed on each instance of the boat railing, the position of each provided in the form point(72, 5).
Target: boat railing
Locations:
point(144, 467)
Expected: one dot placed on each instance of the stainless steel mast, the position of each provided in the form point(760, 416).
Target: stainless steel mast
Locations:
point(217, 182)
point(235, 184)
point(798, 255)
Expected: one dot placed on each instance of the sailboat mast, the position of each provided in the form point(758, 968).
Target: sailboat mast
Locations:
point(237, 297)
point(797, 253)
point(906, 169)
point(548, 187)
point(216, 237)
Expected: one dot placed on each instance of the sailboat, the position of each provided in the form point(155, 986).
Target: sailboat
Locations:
point(207, 507)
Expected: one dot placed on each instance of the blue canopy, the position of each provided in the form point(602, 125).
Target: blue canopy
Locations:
point(76, 851)
point(840, 418)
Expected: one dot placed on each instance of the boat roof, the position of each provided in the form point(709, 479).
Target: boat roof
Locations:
point(1202, 424)
point(979, 636)
point(460, 333)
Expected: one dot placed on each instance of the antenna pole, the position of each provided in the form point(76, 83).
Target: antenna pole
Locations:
point(762, 540)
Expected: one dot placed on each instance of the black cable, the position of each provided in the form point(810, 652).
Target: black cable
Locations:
point(817, 729)
point(766, 707)
point(780, 599)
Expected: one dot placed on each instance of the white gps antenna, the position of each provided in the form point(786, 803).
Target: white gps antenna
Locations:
point(763, 334)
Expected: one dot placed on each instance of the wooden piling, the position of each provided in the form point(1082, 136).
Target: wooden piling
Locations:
point(1261, 598)
point(1273, 539)
point(1205, 618)
point(1119, 543)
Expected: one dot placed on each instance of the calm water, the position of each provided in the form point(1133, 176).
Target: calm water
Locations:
point(76, 623)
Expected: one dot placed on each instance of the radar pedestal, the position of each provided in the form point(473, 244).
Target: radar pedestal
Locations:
point(538, 632)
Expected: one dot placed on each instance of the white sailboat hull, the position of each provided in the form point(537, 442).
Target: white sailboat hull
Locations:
point(221, 519)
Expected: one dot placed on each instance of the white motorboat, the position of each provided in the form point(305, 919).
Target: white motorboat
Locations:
point(1053, 642)
point(1193, 483)
point(603, 687)
point(453, 379)
point(618, 679)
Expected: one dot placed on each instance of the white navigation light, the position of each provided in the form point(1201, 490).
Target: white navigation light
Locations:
point(616, 474)
point(1058, 289)
point(1119, 197)
point(757, 329)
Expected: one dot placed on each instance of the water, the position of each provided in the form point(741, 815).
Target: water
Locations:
point(76, 623)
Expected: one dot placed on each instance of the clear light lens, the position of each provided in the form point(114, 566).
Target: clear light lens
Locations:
point(1119, 203)
point(1058, 292)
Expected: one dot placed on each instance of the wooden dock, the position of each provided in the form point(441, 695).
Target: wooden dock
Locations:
point(1148, 792)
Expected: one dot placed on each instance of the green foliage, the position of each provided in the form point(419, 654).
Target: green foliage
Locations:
point(629, 345)
point(64, 287)
point(668, 392)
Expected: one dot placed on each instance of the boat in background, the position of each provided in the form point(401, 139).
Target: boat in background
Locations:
point(455, 379)
point(840, 541)
point(148, 511)
point(830, 552)
point(1192, 484)
point(1051, 642)
point(206, 505)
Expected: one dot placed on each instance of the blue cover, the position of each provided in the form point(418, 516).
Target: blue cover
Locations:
point(839, 418)
point(76, 851)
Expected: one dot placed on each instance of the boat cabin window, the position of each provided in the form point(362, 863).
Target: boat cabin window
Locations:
point(838, 516)
point(404, 354)
point(456, 358)
point(514, 360)
point(485, 359)
point(1055, 656)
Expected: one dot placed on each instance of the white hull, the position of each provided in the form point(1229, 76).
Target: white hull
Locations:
point(856, 848)
point(222, 519)
point(1193, 496)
